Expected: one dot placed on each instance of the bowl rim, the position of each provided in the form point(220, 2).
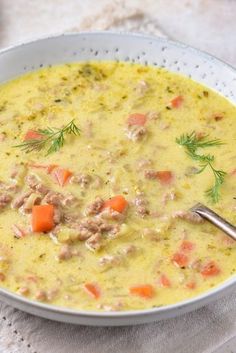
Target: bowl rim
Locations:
point(204, 297)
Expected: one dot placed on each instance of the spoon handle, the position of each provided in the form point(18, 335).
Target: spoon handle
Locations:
point(215, 219)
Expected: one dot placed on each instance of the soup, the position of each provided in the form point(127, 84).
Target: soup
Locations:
point(101, 162)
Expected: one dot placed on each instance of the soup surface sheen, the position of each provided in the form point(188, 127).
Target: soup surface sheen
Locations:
point(103, 222)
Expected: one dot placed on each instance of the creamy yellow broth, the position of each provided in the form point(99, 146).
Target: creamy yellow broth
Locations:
point(55, 266)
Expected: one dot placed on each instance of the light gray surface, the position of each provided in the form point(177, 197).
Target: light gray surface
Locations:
point(207, 24)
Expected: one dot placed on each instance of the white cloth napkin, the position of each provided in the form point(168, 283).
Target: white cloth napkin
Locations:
point(207, 330)
point(202, 331)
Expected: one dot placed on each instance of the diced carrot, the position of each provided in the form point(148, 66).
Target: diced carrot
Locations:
point(61, 175)
point(144, 291)
point(180, 259)
point(93, 290)
point(117, 203)
point(164, 281)
point(187, 246)
point(32, 135)
point(165, 177)
point(177, 102)
point(191, 285)
point(210, 269)
point(42, 218)
point(137, 119)
point(51, 167)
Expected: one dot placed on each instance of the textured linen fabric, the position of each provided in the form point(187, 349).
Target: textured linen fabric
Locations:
point(207, 330)
point(202, 331)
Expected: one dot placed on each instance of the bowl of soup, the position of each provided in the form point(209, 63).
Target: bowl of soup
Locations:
point(107, 141)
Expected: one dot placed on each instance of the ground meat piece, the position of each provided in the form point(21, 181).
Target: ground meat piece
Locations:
point(42, 189)
point(23, 290)
point(69, 200)
point(20, 199)
point(141, 206)
point(110, 214)
point(95, 207)
point(41, 295)
point(150, 174)
point(65, 252)
point(153, 115)
point(83, 180)
point(136, 133)
point(57, 217)
point(111, 229)
point(34, 183)
point(196, 265)
point(52, 293)
point(169, 196)
point(9, 187)
point(111, 307)
point(72, 218)
point(143, 163)
point(53, 198)
point(5, 199)
point(110, 260)
point(94, 242)
point(87, 228)
point(189, 216)
point(129, 249)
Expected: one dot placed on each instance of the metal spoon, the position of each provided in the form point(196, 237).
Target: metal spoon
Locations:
point(215, 219)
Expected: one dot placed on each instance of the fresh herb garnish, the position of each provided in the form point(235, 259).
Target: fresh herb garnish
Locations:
point(192, 142)
point(54, 137)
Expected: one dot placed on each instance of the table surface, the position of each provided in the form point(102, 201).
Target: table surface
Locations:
point(206, 24)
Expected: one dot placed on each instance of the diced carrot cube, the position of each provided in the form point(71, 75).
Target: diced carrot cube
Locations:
point(42, 218)
point(177, 102)
point(210, 269)
point(61, 175)
point(165, 177)
point(191, 285)
point(180, 259)
point(137, 119)
point(144, 291)
point(187, 246)
point(164, 281)
point(117, 203)
point(93, 290)
point(32, 135)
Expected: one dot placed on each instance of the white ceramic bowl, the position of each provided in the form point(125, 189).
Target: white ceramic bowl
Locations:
point(142, 49)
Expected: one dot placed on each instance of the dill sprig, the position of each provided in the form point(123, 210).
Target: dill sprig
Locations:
point(54, 137)
point(192, 143)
